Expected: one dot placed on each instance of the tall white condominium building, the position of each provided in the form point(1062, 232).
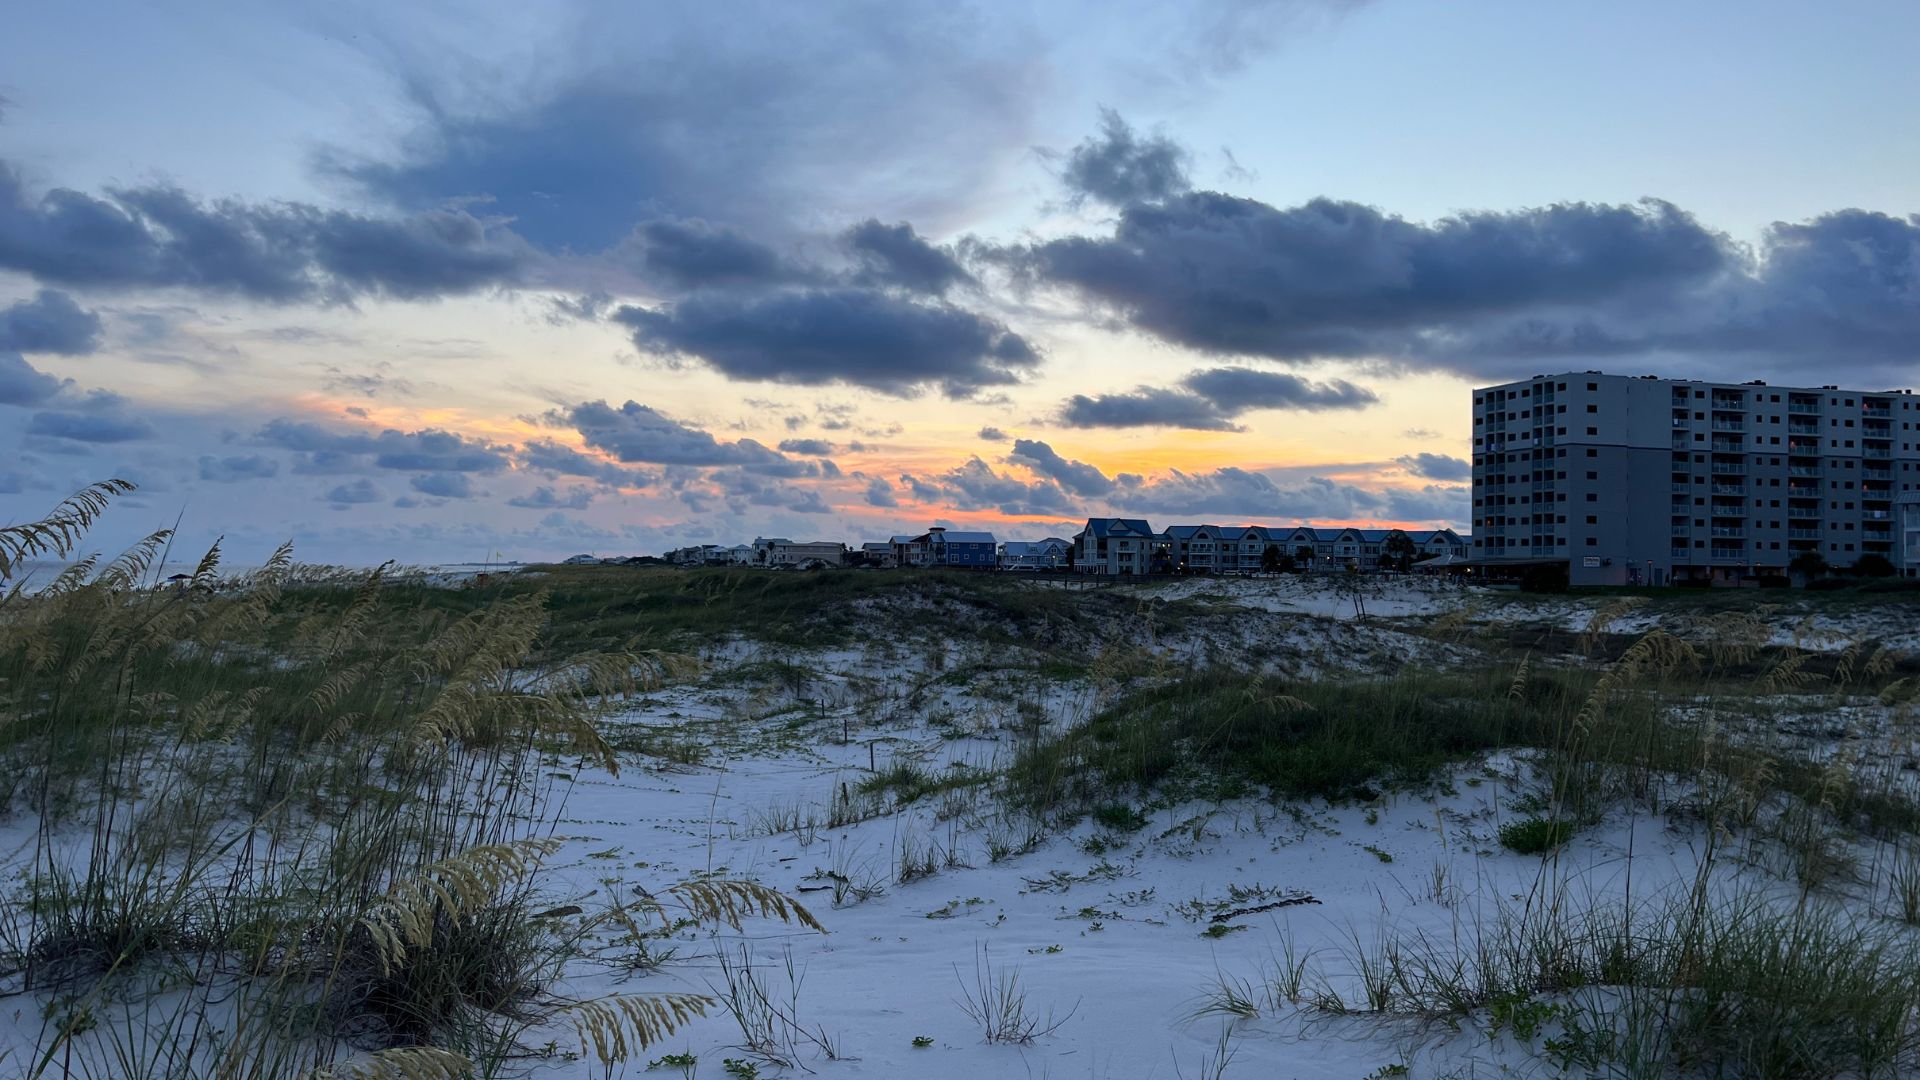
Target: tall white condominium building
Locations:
point(1647, 481)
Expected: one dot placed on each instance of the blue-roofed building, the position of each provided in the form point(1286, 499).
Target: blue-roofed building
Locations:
point(1049, 554)
point(970, 550)
point(940, 546)
point(1115, 546)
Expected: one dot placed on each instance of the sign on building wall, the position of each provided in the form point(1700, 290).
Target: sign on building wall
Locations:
point(1590, 562)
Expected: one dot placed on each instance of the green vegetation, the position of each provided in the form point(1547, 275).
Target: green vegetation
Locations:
point(321, 809)
point(1534, 835)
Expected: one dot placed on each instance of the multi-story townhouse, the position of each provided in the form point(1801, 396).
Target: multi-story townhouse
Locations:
point(1114, 546)
point(1646, 480)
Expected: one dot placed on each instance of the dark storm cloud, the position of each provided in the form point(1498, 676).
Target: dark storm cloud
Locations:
point(1146, 406)
point(814, 447)
point(895, 255)
point(49, 323)
point(1436, 466)
point(1119, 167)
point(428, 450)
point(1234, 390)
point(694, 254)
point(23, 384)
point(90, 427)
point(819, 336)
point(232, 470)
point(636, 433)
point(162, 237)
point(1077, 477)
point(1236, 276)
point(880, 493)
point(752, 114)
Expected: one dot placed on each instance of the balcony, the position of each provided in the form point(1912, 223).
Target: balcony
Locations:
point(1802, 491)
point(1728, 446)
point(1729, 489)
point(1729, 530)
point(1803, 449)
point(1804, 513)
point(1680, 552)
point(1681, 487)
point(1877, 453)
point(1679, 530)
point(1803, 407)
point(1681, 441)
point(1721, 423)
point(1729, 511)
point(1730, 404)
point(1874, 530)
point(1876, 472)
point(1803, 470)
point(1734, 553)
point(1876, 410)
point(1803, 534)
point(1729, 468)
point(1803, 427)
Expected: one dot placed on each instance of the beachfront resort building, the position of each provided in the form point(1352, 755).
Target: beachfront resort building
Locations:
point(1907, 513)
point(1643, 480)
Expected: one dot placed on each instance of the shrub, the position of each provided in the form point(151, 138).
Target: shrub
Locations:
point(1534, 835)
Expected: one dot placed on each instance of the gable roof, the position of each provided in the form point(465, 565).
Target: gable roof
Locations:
point(1104, 527)
point(969, 538)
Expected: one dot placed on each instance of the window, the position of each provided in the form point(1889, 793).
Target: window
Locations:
point(1593, 386)
point(1592, 520)
point(1592, 497)
point(1593, 408)
point(1593, 453)
point(1593, 541)
point(1591, 475)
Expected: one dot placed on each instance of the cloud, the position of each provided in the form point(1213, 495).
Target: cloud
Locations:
point(993, 434)
point(637, 433)
point(231, 470)
point(545, 498)
point(1077, 477)
point(90, 427)
point(880, 493)
point(444, 485)
point(1436, 466)
point(976, 486)
point(427, 450)
point(819, 336)
point(1234, 390)
point(359, 491)
point(1234, 276)
point(23, 384)
point(162, 237)
point(695, 254)
point(755, 115)
point(896, 255)
point(815, 447)
point(1145, 407)
point(49, 323)
point(549, 456)
point(1119, 167)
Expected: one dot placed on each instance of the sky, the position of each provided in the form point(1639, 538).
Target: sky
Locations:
point(445, 282)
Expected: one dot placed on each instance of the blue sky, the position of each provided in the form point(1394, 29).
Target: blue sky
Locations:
point(366, 276)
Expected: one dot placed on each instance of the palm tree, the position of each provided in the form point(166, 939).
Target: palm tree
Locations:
point(1809, 564)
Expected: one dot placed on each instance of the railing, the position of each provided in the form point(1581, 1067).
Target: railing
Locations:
point(1730, 511)
point(1877, 410)
point(1803, 512)
point(1877, 452)
point(1729, 530)
point(1803, 534)
point(1682, 441)
point(1728, 446)
point(1683, 488)
point(1803, 470)
point(1679, 530)
point(1803, 449)
point(1680, 552)
point(1730, 404)
point(1729, 489)
point(1728, 425)
point(1796, 427)
point(1803, 407)
point(1730, 468)
point(1875, 472)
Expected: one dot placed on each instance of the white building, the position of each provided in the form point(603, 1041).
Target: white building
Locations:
point(1646, 480)
point(1114, 546)
point(1049, 554)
